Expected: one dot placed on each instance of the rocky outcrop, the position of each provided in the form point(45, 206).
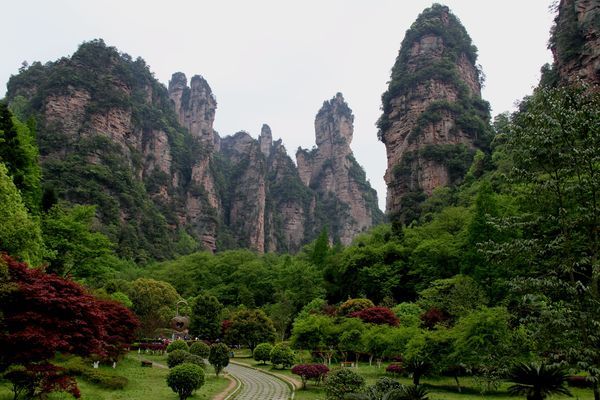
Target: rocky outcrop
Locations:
point(195, 106)
point(148, 157)
point(346, 204)
point(433, 115)
point(575, 41)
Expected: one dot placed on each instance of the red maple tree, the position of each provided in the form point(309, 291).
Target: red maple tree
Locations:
point(46, 314)
point(377, 315)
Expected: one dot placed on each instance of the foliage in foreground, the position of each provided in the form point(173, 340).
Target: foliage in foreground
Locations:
point(184, 379)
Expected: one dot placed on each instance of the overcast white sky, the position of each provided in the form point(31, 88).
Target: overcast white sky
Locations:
point(276, 61)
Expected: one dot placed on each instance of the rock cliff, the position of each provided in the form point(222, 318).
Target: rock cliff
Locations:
point(148, 157)
point(575, 41)
point(346, 204)
point(433, 116)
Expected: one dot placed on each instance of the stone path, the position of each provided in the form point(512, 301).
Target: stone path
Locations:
point(257, 385)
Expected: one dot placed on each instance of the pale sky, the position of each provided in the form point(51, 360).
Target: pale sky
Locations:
point(276, 61)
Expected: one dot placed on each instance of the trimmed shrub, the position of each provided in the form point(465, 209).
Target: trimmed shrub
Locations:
point(194, 359)
point(105, 380)
point(282, 355)
point(395, 369)
point(200, 349)
point(176, 357)
point(381, 387)
point(343, 381)
point(184, 379)
point(262, 352)
point(178, 345)
point(315, 372)
point(219, 357)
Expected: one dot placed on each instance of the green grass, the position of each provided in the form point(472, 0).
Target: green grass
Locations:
point(442, 388)
point(144, 383)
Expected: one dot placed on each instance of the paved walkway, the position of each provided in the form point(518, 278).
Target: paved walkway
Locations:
point(257, 385)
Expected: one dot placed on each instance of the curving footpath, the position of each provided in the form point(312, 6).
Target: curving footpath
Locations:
point(258, 385)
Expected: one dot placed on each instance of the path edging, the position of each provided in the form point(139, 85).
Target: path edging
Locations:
point(229, 396)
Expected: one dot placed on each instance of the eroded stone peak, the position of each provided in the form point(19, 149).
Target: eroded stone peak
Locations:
point(334, 122)
point(178, 81)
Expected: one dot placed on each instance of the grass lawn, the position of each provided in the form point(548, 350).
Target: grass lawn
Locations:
point(442, 388)
point(144, 383)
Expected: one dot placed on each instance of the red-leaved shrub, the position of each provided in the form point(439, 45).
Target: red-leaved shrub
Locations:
point(307, 372)
point(395, 369)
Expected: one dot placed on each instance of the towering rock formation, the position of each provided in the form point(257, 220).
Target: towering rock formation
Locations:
point(575, 41)
point(195, 109)
point(347, 203)
point(433, 115)
point(149, 158)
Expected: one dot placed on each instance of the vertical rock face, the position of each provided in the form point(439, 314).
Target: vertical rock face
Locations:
point(575, 41)
point(195, 106)
point(346, 202)
point(244, 201)
point(265, 140)
point(433, 115)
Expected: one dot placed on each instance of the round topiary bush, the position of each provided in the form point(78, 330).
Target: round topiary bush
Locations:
point(177, 357)
point(282, 355)
point(194, 359)
point(200, 349)
point(184, 379)
point(341, 382)
point(353, 305)
point(177, 345)
point(262, 352)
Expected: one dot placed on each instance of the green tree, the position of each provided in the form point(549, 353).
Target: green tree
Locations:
point(219, 357)
point(456, 296)
point(76, 249)
point(153, 302)
point(351, 342)
point(282, 355)
point(376, 340)
point(19, 154)
point(205, 321)
point(20, 233)
point(555, 146)
point(250, 327)
point(485, 342)
point(262, 352)
point(315, 332)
